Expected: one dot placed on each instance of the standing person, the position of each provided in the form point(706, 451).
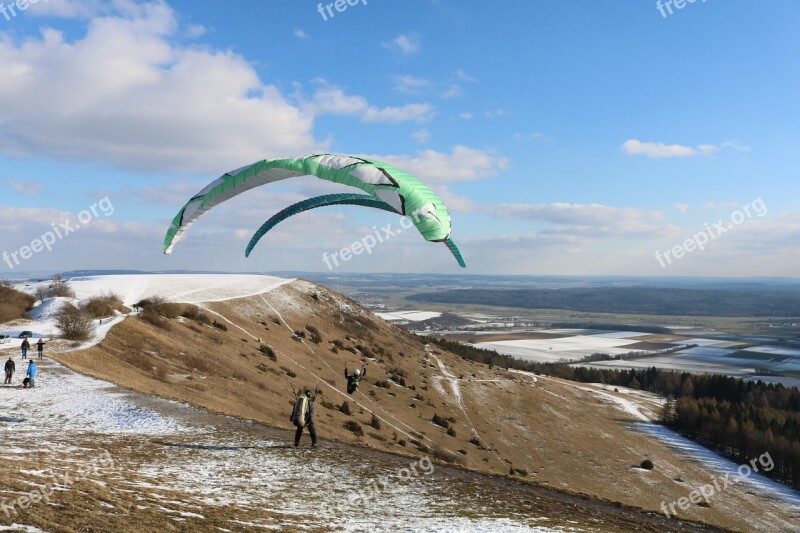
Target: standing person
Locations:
point(354, 379)
point(303, 416)
point(10, 368)
point(31, 374)
point(40, 347)
point(25, 347)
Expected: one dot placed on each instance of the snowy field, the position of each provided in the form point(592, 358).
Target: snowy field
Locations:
point(408, 316)
point(570, 348)
point(184, 288)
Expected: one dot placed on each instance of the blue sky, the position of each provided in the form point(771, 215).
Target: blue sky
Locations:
point(565, 137)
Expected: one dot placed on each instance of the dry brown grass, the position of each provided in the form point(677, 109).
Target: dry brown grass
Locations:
point(13, 303)
point(558, 434)
point(104, 305)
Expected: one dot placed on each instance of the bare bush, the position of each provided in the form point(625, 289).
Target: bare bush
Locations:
point(152, 316)
point(104, 305)
point(74, 323)
point(60, 288)
point(13, 303)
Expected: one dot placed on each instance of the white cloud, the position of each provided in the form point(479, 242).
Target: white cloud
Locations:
point(81, 9)
point(456, 203)
point(657, 150)
point(660, 150)
point(533, 136)
point(591, 219)
point(410, 84)
point(722, 205)
point(494, 113)
point(332, 100)
point(454, 91)
point(422, 136)
point(406, 113)
point(300, 34)
point(405, 45)
point(463, 76)
point(126, 94)
point(462, 164)
point(25, 187)
point(466, 116)
point(194, 31)
point(681, 207)
point(130, 94)
point(737, 146)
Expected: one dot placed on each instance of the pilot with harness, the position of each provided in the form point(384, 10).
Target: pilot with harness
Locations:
point(303, 416)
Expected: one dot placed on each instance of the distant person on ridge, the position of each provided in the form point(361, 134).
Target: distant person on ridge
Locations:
point(25, 347)
point(31, 374)
point(10, 368)
point(354, 379)
point(40, 347)
point(303, 416)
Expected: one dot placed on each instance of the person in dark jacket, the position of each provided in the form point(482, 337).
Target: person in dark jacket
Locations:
point(25, 347)
point(303, 416)
point(10, 368)
point(40, 347)
point(354, 379)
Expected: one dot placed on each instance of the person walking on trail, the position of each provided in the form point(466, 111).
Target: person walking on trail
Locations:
point(354, 379)
point(9, 368)
point(40, 347)
point(31, 373)
point(25, 347)
point(303, 416)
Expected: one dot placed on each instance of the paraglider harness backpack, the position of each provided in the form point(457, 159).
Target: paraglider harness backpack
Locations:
point(353, 380)
point(300, 410)
point(352, 384)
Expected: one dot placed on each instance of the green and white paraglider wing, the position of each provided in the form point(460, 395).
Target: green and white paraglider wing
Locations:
point(405, 194)
point(327, 200)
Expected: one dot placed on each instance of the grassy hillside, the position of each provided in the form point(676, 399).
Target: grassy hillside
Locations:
point(416, 400)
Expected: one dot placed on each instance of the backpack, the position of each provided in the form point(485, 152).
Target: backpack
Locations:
point(300, 410)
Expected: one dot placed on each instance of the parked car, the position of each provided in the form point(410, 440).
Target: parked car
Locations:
point(5, 339)
point(25, 335)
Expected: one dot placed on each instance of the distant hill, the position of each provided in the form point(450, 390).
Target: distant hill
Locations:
point(632, 300)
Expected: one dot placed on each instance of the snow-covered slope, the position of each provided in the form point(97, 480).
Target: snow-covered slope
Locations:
point(184, 288)
point(187, 288)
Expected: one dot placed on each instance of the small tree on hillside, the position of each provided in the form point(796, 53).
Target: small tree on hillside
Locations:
point(74, 324)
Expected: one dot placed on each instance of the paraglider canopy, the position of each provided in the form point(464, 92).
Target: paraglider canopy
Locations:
point(388, 188)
